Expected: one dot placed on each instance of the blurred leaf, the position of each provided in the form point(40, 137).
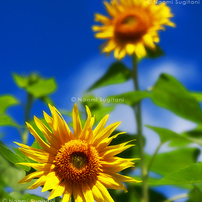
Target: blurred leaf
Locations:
point(134, 195)
point(188, 175)
point(197, 96)
point(2, 183)
point(12, 175)
point(91, 101)
point(166, 135)
point(21, 81)
point(4, 196)
point(129, 98)
point(7, 101)
point(194, 136)
point(100, 113)
point(171, 94)
point(117, 73)
point(154, 53)
point(47, 100)
point(5, 120)
point(195, 195)
point(32, 197)
point(171, 161)
point(42, 88)
point(12, 157)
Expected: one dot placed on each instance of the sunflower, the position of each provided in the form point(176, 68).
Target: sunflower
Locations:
point(81, 163)
point(133, 25)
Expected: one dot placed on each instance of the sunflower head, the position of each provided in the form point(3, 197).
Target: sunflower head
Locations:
point(79, 163)
point(132, 26)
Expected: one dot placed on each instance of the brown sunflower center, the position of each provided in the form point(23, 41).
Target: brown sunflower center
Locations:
point(77, 162)
point(131, 26)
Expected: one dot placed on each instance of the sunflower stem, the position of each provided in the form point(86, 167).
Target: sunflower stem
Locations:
point(28, 107)
point(71, 199)
point(153, 157)
point(137, 110)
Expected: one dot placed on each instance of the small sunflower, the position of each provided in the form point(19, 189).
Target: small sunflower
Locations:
point(133, 25)
point(79, 163)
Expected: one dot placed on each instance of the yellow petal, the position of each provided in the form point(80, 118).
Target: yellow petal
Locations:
point(88, 195)
point(38, 155)
point(106, 133)
point(114, 150)
point(47, 133)
point(52, 182)
point(103, 19)
point(96, 193)
point(104, 192)
point(43, 144)
point(130, 48)
point(104, 143)
point(48, 119)
point(104, 34)
point(38, 166)
point(140, 50)
point(77, 193)
point(111, 45)
point(59, 129)
point(67, 194)
point(110, 9)
point(76, 122)
point(31, 176)
point(87, 124)
point(123, 178)
point(39, 182)
point(58, 191)
point(110, 182)
point(100, 126)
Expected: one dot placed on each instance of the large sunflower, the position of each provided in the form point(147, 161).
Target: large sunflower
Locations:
point(133, 25)
point(79, 163)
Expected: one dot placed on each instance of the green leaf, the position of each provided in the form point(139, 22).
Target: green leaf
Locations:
point(12, 175)
point(194, 136)
point(171, 94)
point(188, 175)
point(5, 120)
point(100, 113)
point(21, 81)
point(154, 53)
point(134, 194)
point(4, 196)
point(197, 96)
point(195, 195)
point(167, 135)
point(47, 100)
point(129, 98)
point(32, 197)
point(117, 73)
point(42, 88)
point(12, 157)
point(7, 101)
point(171, 161)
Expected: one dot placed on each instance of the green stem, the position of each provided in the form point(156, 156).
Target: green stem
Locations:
point(28, 106)
point(137, 110)
point(71, 199)
point(153, 157)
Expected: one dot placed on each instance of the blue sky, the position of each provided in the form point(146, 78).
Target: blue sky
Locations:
point(54, 39)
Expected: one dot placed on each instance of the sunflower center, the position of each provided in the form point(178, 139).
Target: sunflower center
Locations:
point(131, 26)
point(77, 162)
